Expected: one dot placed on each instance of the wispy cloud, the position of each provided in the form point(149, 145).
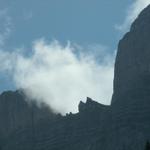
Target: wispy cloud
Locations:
point(132, 12)
point(5, 26)
point(59, 76)
point(27, 15)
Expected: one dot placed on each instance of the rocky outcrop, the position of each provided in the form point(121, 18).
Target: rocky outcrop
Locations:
point(90, 105)
point(125, 125)
point(71, 132)
point(132, 67)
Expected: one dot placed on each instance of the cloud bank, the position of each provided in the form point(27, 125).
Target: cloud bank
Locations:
point(61, 76)
point(133, 11)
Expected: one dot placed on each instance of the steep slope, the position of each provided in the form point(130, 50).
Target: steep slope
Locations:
point(132, 66)
point(131, 97)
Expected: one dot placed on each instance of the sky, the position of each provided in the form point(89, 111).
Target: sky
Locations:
point(60, 52)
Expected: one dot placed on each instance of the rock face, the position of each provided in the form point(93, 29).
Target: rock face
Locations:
point(124, 125)
point(45, 130)
point(130, 108)
point(132, 67)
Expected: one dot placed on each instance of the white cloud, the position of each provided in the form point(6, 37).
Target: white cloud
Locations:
point(133, 11)
point(60, 77)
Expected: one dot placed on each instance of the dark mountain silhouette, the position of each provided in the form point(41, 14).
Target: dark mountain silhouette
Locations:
point(124, 125)
point(147, 146)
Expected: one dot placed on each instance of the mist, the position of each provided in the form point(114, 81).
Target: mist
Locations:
point(61, 76)
point(132, 13)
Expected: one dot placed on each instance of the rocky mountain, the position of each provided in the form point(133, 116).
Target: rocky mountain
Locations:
point(124, 125)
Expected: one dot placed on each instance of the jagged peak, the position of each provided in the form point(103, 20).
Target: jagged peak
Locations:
point(90, 105)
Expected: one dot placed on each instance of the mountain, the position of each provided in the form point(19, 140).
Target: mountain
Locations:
point(132, 66)
point(124, 125)
point(25, 126)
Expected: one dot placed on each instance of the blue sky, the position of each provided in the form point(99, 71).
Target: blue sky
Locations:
point(84, 22)
point(53, 46)
point(80, 21)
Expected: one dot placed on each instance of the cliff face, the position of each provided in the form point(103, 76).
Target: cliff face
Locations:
point(44, 130)
point(132, 67)
point(125, 125)
point(130, 106)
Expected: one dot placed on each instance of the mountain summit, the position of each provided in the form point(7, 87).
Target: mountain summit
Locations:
point(124, 125)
